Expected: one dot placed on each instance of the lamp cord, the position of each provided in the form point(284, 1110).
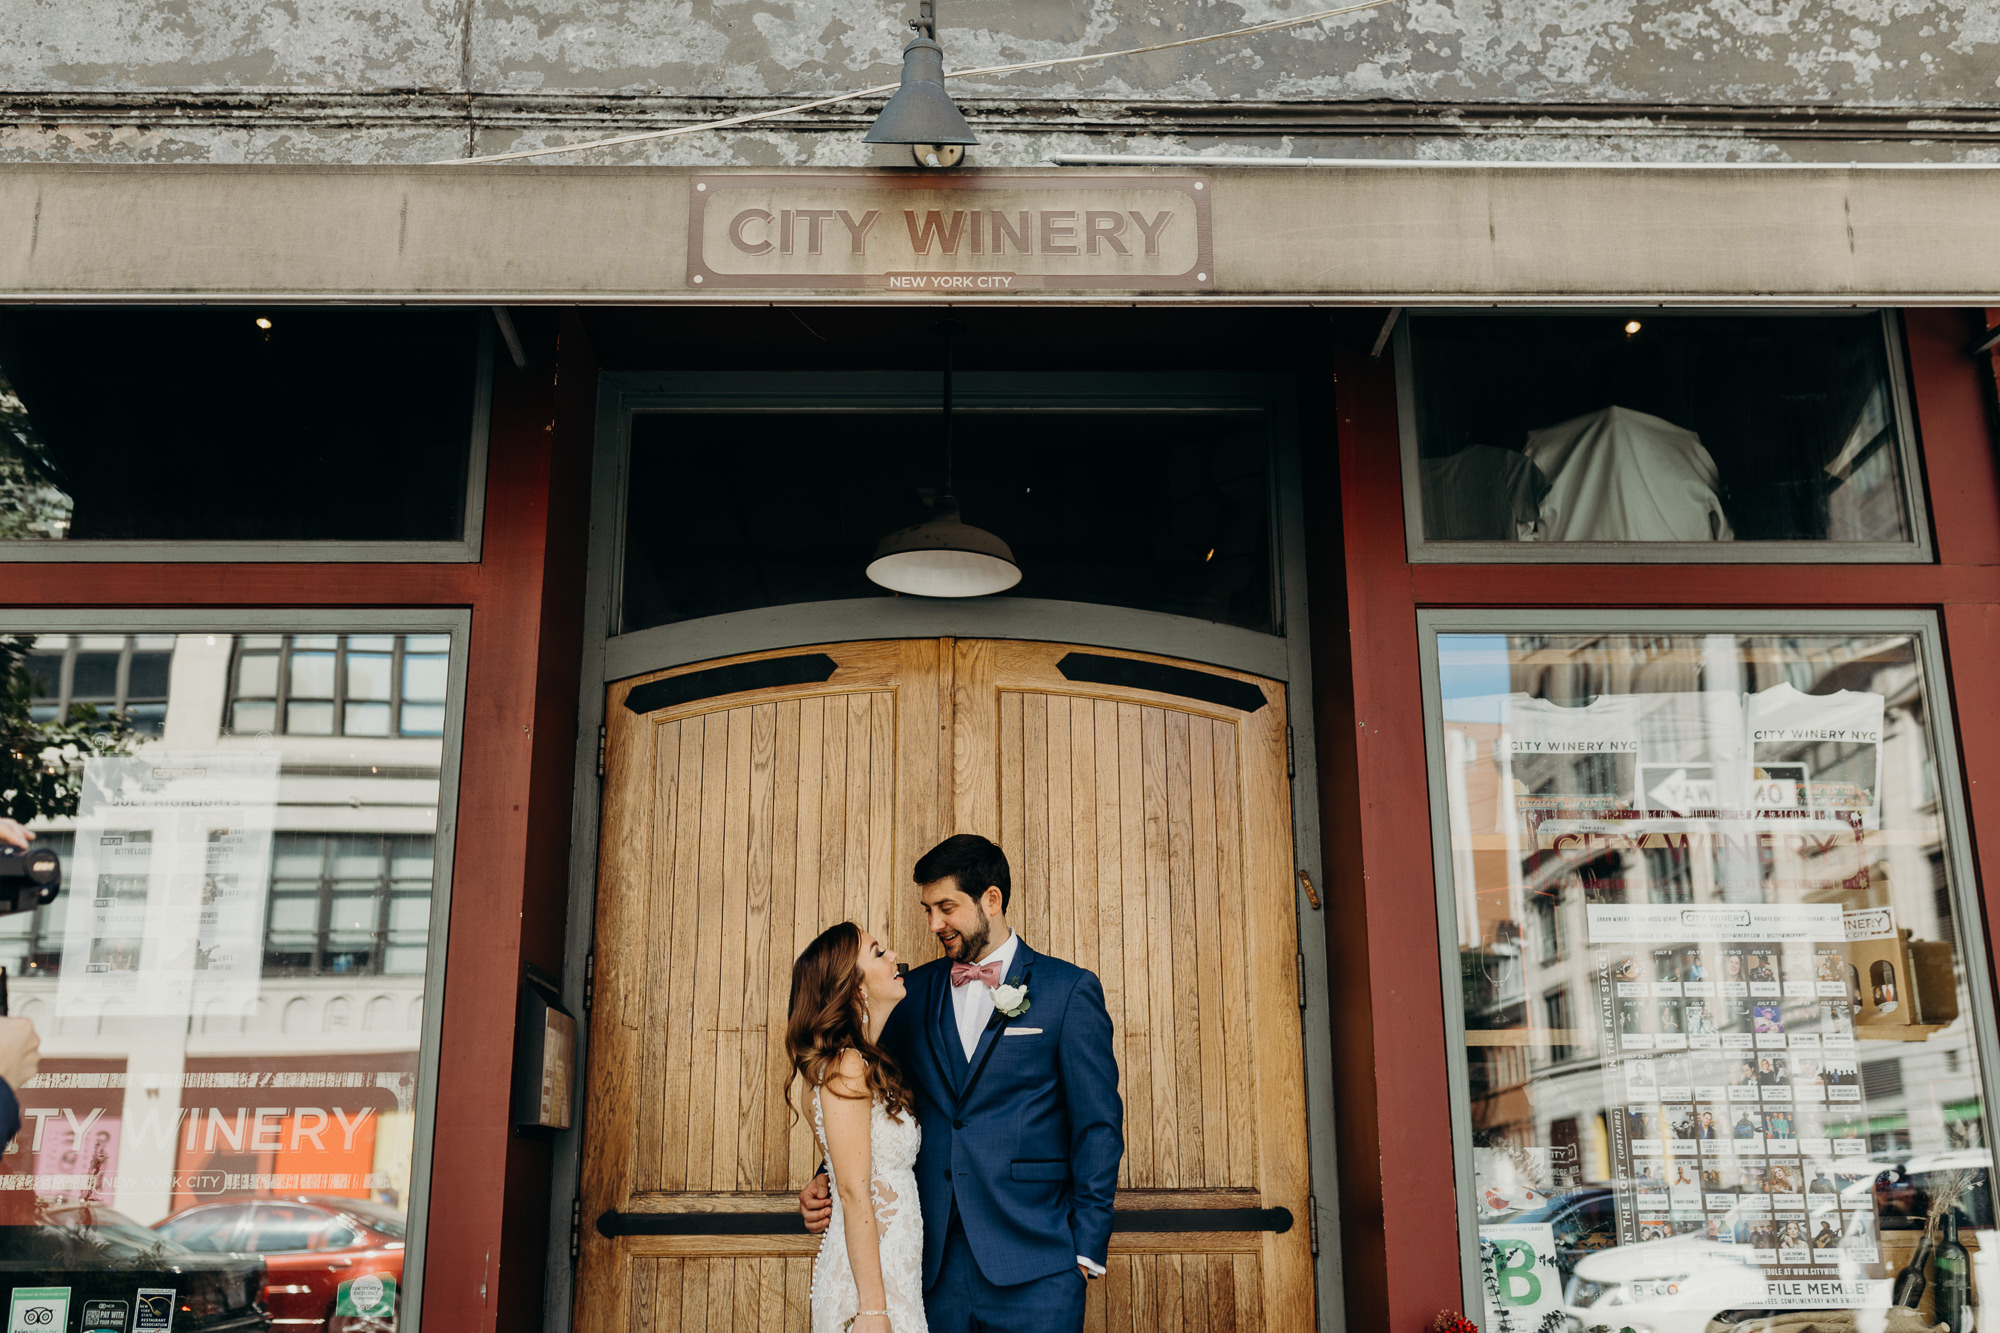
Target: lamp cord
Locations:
point(1255, 28)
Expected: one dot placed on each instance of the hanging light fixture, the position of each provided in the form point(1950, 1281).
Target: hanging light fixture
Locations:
point(944, 556)
point(922, 113)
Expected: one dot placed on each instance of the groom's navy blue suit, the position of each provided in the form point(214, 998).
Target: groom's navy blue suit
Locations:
point(1021, 1142)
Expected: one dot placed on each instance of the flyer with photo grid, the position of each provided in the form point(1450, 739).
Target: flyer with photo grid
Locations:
point(1730, 1069)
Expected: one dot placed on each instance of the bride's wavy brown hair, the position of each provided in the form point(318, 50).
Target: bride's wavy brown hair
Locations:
point(825, 1019)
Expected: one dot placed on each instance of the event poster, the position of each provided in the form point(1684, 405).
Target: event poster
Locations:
point(166, 896)
point(1730, 1069)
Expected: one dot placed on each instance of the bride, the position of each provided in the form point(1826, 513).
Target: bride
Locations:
point(868, 1277)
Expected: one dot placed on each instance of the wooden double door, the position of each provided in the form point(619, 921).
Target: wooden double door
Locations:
point(1144, 806)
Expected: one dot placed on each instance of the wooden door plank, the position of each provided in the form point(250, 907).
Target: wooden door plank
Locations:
point(1208, 812)
point(757, 927)
point(1222, 1296)
point(658, 899)
point(730, 949)
point(882, 880)
point(1064, 815)
point(855, 821)
point(707, 961)
point(785, 944)
point(1137, 910)
point(639, 1309)
point(1011, 785)
point(807, 900)
point(833, 815)
point(694, 1296)
point(1037, 908)
point(922, 789)
point(1238, 1032)
point(666, 1309)
point(1110, 902)
point(1192, 1111)
point(975, 729)
point(1162, 1061)
point(676, 1118)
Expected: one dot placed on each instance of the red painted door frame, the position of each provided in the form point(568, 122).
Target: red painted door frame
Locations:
point(486, 1243)
point(1400, 1261)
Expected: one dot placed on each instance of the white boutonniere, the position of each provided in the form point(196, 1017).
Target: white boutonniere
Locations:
point(1011, 1000)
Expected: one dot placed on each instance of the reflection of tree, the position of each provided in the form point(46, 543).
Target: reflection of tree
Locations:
point(32, 501)
point(41, 763)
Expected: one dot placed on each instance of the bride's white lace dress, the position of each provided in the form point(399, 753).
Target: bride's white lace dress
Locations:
point(899, 1224)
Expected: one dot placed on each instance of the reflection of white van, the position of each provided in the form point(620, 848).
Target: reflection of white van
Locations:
point(1676, 1285)
point(1901, 1190)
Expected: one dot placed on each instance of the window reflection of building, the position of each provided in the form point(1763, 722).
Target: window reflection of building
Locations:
point(124, 673)
point(331, 1040)
point(1507, 888)
point(338, 685)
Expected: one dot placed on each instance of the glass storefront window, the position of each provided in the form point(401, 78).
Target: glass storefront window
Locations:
point(230, 987)
point(1650, 434)
point(227, 424)
point(1722, 1047)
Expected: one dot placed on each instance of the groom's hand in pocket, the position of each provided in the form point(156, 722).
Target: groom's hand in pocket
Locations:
point(816, 1204)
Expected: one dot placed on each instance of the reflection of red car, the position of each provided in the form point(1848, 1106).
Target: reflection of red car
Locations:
point(311, 1244)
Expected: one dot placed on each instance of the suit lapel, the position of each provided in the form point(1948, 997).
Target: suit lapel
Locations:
point(1016, 973)
point(943, 1029)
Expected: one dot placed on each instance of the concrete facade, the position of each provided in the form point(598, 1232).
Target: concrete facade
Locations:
point(410, 81)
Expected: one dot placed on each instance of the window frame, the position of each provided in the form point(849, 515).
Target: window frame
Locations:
point(1954, 818)
point(463, 549)
point(1918, 549)
point(448, 620)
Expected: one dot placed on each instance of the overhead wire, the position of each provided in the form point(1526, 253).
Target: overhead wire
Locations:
point(727, 122)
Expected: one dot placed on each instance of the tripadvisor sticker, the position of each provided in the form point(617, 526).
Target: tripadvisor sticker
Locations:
point(39, 1310)
point(370, 1297)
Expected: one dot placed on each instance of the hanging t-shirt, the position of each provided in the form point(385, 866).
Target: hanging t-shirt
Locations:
point(1623, 476)
point(1482, 494)
point(1572, 758)
point(1816, 751)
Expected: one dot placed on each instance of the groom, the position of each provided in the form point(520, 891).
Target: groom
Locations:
point(1009, 1052)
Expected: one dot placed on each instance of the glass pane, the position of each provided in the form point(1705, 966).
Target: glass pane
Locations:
point(148, 677)
point(250, 719)
point(1164, 511)
point(367, 720)
point(1652, 427)
point(44, 674)
point(1719, 1043)
point(309, 719)
point(423, 677)
point(277, 1034)
point(147, 719)
point(96, 677)
point(312, 675)
point(369, 675)
point(257, 675)
point(423, 719)
point(371, 643)
point(264, 409)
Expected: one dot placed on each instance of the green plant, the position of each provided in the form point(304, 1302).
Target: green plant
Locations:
point(41, 763)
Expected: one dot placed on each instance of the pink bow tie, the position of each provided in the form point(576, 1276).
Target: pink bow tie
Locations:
point(987, 972)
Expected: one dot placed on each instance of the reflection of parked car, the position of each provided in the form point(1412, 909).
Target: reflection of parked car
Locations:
point(1902, 1190)
point(1584, 1221)
point(103, 1255)
point(312, 1244)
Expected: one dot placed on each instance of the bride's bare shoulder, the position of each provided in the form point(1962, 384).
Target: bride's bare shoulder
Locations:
point(849, 1075)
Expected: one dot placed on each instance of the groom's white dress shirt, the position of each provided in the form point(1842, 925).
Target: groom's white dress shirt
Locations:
point(972, 1006)
point(972, 1003)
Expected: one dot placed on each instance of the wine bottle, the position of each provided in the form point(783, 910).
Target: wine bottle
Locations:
point(1951, 1274)
point(1909, 1288)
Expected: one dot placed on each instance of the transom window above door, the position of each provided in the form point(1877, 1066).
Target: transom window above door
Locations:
point(1157, 508)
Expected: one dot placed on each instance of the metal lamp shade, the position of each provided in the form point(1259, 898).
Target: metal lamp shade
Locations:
point(945, 557)
point(921, 112)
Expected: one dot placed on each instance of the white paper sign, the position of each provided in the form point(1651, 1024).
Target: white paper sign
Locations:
point(166, 898)
point(1523, 1284)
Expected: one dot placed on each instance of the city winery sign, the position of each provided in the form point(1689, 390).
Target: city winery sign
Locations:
point(940, 233)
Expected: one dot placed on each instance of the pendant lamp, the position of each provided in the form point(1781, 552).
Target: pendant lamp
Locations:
point(944, 556)
point(922, 112)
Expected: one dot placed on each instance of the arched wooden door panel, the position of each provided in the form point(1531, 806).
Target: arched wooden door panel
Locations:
point(748, 804)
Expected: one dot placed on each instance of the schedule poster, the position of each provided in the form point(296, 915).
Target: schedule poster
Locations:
point(166, 896)
point(1730, 1070)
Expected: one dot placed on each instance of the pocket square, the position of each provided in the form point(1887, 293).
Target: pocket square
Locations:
point(1023, 1032)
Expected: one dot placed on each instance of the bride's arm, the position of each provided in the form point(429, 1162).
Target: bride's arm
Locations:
point(845, 1111)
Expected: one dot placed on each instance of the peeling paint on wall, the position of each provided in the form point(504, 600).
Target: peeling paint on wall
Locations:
point(445, 77)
